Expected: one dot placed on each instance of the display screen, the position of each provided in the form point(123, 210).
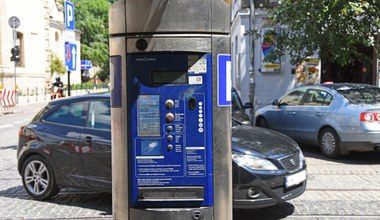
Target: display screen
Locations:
point(162, 77)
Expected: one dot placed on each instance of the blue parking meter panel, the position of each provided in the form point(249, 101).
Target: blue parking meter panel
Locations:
point(71, 56)
point(171, 129)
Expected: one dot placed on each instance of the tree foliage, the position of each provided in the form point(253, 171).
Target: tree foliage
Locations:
point(91, 18)
point(56, 65)
point(334, 29)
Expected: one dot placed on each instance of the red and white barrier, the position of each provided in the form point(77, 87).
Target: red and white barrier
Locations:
point(8, 102)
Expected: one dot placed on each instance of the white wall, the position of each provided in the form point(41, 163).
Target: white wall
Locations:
point(39, 39)
point(35, 53)
point(269, 86)
point(240, 54)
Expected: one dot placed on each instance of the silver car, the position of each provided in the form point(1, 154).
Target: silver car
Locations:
point(339, 118)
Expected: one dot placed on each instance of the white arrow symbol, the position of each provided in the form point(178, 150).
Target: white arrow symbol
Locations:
point(73, 54)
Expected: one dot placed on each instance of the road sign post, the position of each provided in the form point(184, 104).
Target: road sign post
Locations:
point(14, 23)
point(70, 48)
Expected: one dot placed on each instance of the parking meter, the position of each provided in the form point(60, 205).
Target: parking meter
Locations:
point(171, 155)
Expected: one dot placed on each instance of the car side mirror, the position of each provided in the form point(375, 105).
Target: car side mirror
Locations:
point(248, 105)
point(275, 102)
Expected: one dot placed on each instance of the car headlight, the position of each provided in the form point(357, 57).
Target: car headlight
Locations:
point(253, 162)
point(302, 159)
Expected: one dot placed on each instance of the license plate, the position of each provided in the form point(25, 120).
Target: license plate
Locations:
point(295, 179)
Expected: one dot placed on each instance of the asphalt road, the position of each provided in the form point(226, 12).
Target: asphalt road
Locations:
point(348, 188)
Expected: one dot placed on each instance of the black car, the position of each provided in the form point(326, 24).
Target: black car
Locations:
point(68, 144)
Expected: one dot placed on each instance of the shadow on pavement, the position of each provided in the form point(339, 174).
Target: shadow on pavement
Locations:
point(14, 147)
point(96, 201)
point(274, 212)
point(101, 202)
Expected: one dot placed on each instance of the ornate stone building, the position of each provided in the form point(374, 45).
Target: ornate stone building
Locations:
point(40, 34)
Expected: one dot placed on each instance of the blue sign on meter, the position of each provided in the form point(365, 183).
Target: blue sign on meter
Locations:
point(224, 80)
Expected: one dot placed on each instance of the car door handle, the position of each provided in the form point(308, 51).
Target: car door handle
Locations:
point(318, 114)
point(292, 113)
point(87, 139)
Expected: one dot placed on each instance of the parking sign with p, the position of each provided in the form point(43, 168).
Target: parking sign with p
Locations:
point(69, 16)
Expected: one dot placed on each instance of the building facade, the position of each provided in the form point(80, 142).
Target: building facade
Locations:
point(256, 81)
point(40, 34)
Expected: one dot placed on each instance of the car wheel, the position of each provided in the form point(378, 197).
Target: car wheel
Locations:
point(263, 122)
point(329, 143)
point(38, 178)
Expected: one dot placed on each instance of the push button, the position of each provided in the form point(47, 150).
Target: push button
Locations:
point(170, 128)
point(170, 138)
point(170, 147)
point(169, 103)
point(169, 117)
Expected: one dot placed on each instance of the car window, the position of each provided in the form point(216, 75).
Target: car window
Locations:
point(71, 114)
point(99, 115)
point(317, 97)
point(361, 95)
point(236, 102)
point(41, 113)
point(293, 98)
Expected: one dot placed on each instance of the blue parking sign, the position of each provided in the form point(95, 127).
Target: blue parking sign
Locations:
point(69, 16)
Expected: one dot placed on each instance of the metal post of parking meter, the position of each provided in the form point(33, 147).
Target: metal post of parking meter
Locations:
point(171, 140)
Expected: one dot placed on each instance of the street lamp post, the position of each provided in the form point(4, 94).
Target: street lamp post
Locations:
point(14, 23)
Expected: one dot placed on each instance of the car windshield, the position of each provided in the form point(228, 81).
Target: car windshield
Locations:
point(361, 95)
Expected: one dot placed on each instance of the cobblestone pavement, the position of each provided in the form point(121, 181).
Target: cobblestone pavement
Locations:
point(342, 189)
point(69, 204)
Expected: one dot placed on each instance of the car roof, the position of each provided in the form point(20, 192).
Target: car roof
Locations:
point(85, 97)
point(337, 86)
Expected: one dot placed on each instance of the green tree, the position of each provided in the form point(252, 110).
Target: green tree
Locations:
point(332, 28)
point(56, 65)
point(91, 18)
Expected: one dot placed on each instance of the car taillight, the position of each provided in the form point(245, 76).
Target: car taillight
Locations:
point(369, 116)
point(19, 132)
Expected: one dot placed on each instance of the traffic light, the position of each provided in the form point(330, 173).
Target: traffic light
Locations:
point(15, 54)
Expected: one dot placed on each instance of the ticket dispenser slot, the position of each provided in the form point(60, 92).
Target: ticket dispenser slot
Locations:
point(171, 130)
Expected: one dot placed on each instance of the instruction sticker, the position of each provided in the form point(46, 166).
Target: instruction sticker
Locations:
point(195, 80)
point(148, 113)
point(197, 65)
